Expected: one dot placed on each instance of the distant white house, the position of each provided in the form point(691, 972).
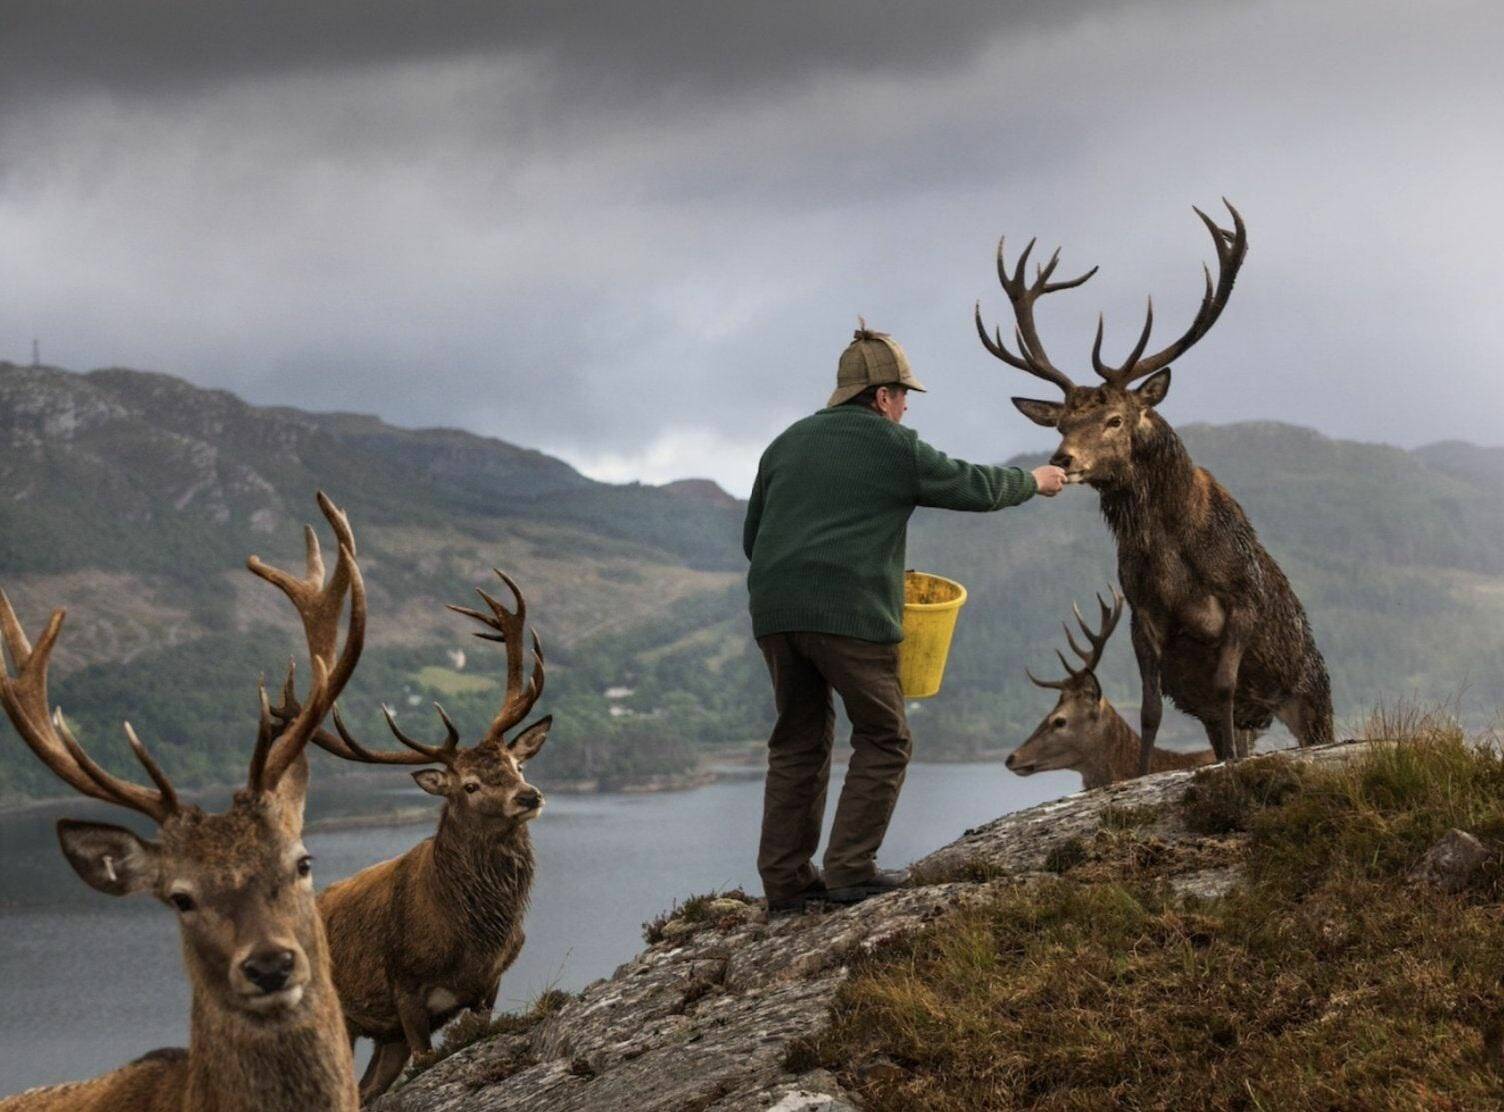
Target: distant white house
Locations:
point(457, 659)
point(614, 693)
point(619, 711)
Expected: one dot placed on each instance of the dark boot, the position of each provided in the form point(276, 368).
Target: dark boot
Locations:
point(878, 884)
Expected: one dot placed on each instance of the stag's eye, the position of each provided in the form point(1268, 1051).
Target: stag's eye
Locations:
point(182, 901)
point(1059, 723)
point(472, 787)
point(305, 865)
point(1114, 422)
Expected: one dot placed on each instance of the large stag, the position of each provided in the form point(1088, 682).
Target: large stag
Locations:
point(1215, 622)
point(1084, 732)
point(423, 936)
point(266, 1031)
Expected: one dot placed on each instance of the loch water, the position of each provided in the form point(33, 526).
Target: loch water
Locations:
point(88, 982)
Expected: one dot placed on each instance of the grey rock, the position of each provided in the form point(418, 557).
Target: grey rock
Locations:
point(704, 1021)
point(1451, 863)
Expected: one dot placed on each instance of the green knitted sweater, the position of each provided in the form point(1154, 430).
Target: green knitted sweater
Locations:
point(829, 517)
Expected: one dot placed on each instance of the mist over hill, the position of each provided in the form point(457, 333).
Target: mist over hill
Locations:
point(134, 498)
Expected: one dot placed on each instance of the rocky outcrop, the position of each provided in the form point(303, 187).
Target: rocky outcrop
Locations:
point(704, 1019)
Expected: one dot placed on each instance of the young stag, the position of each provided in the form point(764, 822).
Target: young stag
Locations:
point(1084, 732)
point(419, 938)
point(266, 1032)
point(1215, 622)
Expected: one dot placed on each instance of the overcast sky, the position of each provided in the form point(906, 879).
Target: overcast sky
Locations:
point(637, 235)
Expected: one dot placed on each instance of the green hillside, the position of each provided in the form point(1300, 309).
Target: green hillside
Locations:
point(134, 499)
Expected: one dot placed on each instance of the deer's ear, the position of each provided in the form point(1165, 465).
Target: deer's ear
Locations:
point(432, 780)
point(526, 744)
point(1154, 389)
point(110, 858)
point(1041, 413)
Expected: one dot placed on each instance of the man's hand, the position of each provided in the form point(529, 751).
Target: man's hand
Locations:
point(1049, 479)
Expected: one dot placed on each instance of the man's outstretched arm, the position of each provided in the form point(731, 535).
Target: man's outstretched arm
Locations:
point(953, 484)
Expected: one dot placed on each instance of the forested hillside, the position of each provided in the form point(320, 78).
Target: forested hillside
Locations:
point(133, 499)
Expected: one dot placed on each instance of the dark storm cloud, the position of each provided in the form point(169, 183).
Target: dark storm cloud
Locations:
point(638, 235)
point(167, 48)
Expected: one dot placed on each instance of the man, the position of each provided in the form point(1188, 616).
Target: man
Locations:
point(825, 533)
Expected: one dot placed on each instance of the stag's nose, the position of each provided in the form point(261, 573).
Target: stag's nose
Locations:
point(1062, 460)
point(268, 970)
point(1009, 762)
point(530, 799)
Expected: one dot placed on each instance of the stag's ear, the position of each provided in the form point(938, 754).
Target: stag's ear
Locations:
point(526, 744)
point(1041, 413)
point(432, 780)
point(1154, 389)
point(109, 858)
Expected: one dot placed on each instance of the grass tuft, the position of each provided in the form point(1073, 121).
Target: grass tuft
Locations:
point(696, 909)
point(1065, 856)
point(469, 1028)
point(1328, 980)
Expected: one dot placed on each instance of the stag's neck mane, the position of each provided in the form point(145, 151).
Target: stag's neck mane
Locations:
point(239, 1063)
point(484, 876)
point(1117, 757)
point(1160, 481)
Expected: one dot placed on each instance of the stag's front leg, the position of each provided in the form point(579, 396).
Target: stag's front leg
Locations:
point(412, 1010)
point(1225, 686)
point(1148, 648)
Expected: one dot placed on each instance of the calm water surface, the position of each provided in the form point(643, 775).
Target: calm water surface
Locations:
point(88, 982)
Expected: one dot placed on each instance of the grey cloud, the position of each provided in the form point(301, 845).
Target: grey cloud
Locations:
point(450, 231)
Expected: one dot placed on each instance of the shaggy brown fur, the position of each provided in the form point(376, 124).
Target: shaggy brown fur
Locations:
point(266, 1033)
point(1216, 625)
point(421, 937)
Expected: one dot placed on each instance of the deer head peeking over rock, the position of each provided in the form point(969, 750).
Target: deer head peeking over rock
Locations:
point(1083, 731)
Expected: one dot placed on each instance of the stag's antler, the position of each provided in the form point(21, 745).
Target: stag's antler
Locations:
point(1232, 247)
point(319, 605)
point(44, 730)
point(1098, 640)
point(509, 627)
point(502, 625)
point(1031, 357)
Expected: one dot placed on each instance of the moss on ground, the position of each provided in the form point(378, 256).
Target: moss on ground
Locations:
point(1327, 980)
point(469, 1028)
point(695, 909)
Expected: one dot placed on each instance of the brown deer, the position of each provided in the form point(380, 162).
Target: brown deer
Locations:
point(266, 1031)
point(1215, 624)
point(1084, 732)
point(423, 936)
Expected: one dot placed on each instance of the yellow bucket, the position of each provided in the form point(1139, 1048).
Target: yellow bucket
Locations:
point(930, 607)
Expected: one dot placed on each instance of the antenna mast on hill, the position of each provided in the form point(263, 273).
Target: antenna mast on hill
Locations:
point(36, 354)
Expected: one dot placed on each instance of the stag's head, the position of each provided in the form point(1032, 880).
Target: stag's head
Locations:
point(484, 783)
point(240, 882)
point(1071, 735)
point(1101, 426)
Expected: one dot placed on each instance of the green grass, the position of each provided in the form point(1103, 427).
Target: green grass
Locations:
point(450, 682)
point(1327, 980)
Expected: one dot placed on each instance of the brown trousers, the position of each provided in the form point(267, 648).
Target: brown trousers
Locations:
point(805, 668)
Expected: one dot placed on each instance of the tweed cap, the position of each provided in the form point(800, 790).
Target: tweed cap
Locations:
point(871, 359)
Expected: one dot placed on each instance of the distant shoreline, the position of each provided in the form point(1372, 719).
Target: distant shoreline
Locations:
point(732, 764)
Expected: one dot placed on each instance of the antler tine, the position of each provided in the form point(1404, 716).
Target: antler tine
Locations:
point(1232, 248)
point(1084, 654)
point(1054, 685)
point(320, 606)
point(47, 735)
point(1022, 295)
point(431, 754)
